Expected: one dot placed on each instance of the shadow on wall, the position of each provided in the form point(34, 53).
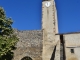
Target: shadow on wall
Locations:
point(53, 54)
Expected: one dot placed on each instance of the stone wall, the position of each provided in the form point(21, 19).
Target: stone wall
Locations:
point(50, 28)
point(29, 44)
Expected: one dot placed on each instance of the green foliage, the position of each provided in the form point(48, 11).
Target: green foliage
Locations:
point(7, 38)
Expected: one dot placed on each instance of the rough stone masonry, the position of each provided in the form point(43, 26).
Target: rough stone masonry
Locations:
point(40, 44)
point(47, 44)
point(29, 44)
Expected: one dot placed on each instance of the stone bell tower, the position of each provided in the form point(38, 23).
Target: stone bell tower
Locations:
point(50, 29)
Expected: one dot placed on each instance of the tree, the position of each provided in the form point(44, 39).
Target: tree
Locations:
point(7, 38)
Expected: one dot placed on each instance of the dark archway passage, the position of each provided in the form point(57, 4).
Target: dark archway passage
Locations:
point(26, 58)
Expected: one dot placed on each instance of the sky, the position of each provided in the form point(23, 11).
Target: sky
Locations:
point(27, 14)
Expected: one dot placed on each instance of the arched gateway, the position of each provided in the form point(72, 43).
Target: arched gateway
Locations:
point(26, 58)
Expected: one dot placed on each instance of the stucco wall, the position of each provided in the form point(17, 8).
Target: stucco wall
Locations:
point(72, 41)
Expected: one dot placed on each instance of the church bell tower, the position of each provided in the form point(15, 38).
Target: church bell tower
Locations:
point(50, 29)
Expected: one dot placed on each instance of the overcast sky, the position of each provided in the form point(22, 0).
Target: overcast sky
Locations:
point(26, 14)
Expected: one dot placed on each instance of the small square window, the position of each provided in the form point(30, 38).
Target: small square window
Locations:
point(72, 50)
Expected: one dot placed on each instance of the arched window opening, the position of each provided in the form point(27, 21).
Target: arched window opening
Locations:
point(26, 58)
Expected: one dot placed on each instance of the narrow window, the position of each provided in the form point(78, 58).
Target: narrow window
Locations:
point(72, 50)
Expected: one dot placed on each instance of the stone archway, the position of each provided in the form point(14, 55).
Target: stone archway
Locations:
point(26, 58)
